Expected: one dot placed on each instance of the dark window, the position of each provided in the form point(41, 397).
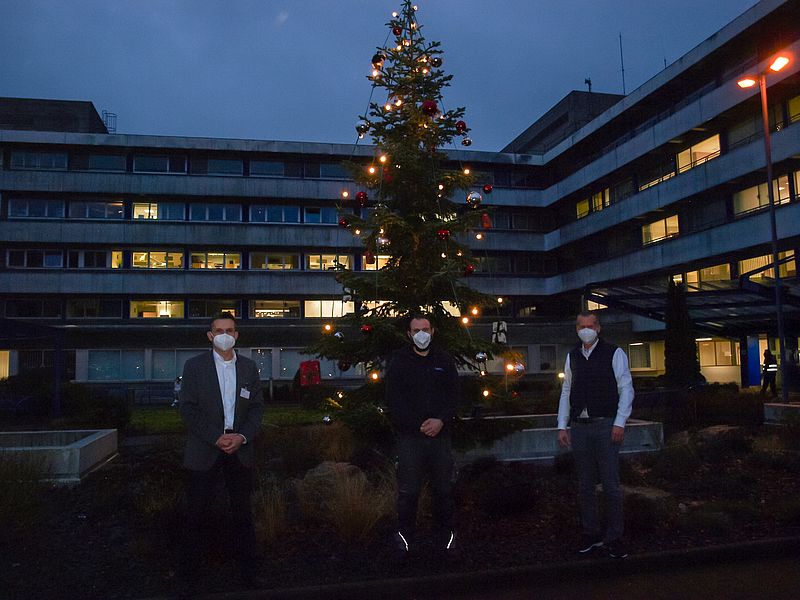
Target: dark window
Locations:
point(293, 169)
point(266, 168)
point(209, 308)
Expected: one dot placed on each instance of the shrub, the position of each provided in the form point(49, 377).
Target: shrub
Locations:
point(707, 521)
point(269, 511)
point(348, 501)
point(724, 404)
point(83, 407)
point(675, 461)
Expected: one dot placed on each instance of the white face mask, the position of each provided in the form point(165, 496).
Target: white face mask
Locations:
point(224, 341)
point(421, 339)
point(588, 336)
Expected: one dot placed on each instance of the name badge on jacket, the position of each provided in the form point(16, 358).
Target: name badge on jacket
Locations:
point(244, 393)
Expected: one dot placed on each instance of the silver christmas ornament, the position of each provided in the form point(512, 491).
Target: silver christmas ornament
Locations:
point(481, 357)
point(474, 199)
point(466, 142)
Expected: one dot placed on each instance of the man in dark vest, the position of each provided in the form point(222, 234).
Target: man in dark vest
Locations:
point(596, 401)
point(769, 372)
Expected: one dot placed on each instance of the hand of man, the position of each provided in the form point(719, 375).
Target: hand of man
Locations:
point(617, 434)
point(563, 438)
point(229, 442)
point(431, 427)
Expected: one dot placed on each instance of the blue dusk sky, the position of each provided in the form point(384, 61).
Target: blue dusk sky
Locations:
point(295, 69)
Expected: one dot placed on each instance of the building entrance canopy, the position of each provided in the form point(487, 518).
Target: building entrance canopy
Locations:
point(724, 308)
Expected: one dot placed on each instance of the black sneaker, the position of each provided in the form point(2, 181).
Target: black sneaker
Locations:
point(616, 549)
point(589, 543)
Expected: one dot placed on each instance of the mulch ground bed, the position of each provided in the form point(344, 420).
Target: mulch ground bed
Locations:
point(115, 535)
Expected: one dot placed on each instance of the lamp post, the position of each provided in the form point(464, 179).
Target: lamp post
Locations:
point(776, 65)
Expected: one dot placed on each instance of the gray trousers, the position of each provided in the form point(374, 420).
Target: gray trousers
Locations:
point(595, 454)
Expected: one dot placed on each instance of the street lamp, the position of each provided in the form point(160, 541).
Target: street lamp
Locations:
point(778, 63)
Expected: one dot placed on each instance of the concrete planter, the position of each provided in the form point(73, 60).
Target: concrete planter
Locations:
point(538, 440)
point(777, 413)
point(66, 456)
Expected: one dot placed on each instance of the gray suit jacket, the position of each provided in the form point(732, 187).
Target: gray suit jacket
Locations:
point(201, 410)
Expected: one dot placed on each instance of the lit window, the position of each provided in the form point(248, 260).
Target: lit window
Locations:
point(787, 269)
point(156, 259)
point(274, 309)
point(162, 211)
point(698, 153)
point(582, 208)
point(660, 230)
point(718, 353)
point(756, 197)
point(327, 262)
point(378, 262)
point(327, 308)
point(215, 260)
point(154, 309)
point(639, 355)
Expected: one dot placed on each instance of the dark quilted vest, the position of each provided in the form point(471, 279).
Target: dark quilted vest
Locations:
point(594, 386)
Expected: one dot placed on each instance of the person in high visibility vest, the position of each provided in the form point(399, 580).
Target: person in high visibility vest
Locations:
point(769, 372)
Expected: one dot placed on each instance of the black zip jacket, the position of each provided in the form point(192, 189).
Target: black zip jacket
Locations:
point(420, 388)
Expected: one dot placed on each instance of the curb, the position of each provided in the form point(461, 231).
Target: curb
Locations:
point(494, 580)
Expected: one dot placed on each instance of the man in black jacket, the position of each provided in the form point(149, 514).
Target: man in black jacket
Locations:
point(422, 394)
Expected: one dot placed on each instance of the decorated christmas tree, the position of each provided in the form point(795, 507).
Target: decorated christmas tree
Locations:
point(412, 210)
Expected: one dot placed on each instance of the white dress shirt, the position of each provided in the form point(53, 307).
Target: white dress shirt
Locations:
point(622, 373)
point(226, 376)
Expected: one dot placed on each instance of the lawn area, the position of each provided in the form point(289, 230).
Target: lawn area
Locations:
point(149, 420)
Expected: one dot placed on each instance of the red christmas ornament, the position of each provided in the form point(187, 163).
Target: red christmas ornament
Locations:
point(461, 126)
point(344, 222)
point(469, 270)
point(397, 30)
point(443, 234)
point(487, 188)
point(366, 328)
point(429, 107)
point(486, 221)
point(361, 198)
point(369, 257)
point(387, 175)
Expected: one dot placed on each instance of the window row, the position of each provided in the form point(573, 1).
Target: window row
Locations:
point(756, 267)
point(99, 308)
point(182, 164)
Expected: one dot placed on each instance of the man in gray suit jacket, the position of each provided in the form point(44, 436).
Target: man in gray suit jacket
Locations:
point(221, 404)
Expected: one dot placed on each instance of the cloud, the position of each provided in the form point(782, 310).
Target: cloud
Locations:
point(282, 17)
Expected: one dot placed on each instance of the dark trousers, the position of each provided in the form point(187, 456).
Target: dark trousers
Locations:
point(769, 381)
point(199, 498)
point(421, 457)
point(595, 454)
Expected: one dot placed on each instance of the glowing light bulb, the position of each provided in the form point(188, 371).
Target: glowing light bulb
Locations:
point(374, 376)
point(371, 170)
point(425, 71)
point(441, 187)
point(509, 367)
point(466, 171)
point(345, 194)
point(376, 73)
point(398, 102)
point(474, 311)
point(499, 299)
point(561, 375)
point(444, 254)
point(387, 106)
point(779, 63)
point(478, 236)
point(485, 393)
point(328, 328)
point(395, 14)
point(357, 231)
point(398, 48)
point(340, 394)
point(465, 320)
point(383, 158)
